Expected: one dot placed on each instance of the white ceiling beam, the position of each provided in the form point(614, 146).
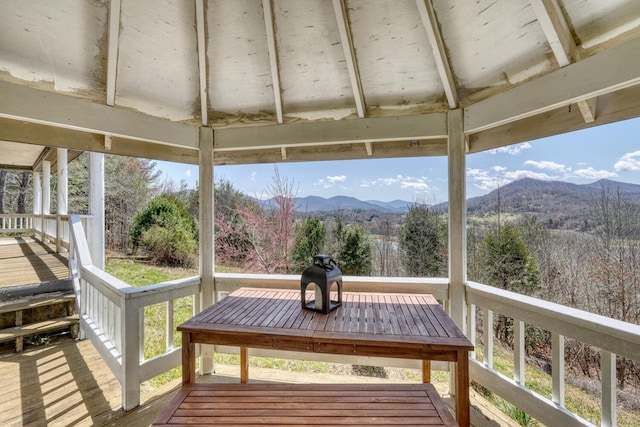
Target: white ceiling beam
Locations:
point(605, 72)
point(430, 23)
point(269, 24)
point(346, 40)
point(202, 61)
point(556, 30)
point(36, 106)
point(112, 50)
point(418, 127)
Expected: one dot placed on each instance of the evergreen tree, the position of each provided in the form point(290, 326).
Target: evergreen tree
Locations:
point(309, 241)
point(354, 257)
point(422, 243)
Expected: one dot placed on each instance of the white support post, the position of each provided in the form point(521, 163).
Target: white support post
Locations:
point(207, 263)
point(130, 349)
point(557, 368)
point(95, 233)
point(37, 201)
point(609, 389)
point(62, 194)
point(518, 351)
point(457, 225)
point(46, 196)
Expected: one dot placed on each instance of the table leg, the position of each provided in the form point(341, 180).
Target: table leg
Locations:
point(244, 365)
point(188, 359)
point(426, 371)
point(462, 389)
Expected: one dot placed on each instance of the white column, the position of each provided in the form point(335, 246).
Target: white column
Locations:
point(46, 188)
point(457, 219)
point(62, 193)
point(37, 201)
point(95, 232)
point(46, 198)
point(207, 265)
point(457, 226)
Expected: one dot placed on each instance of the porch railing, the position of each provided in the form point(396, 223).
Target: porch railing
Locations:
point(112, 317)
point(611, 336)
point(50, 228)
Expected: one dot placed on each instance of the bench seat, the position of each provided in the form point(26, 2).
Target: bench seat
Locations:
point(306, 404)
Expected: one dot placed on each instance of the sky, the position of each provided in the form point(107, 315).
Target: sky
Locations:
point(609, 151)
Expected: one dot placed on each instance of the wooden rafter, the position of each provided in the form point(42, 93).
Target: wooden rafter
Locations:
point(112, 50)
point(346, 40)
point(558, 89)
point(269, 24)
point(202, 60)
point(428, 17)
point(558, 34)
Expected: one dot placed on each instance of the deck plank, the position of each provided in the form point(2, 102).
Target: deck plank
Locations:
point(27, 261)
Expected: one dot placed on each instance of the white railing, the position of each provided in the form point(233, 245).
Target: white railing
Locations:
point(16, 223)
point(50, 228)
point(112, 317)
point(613, 337)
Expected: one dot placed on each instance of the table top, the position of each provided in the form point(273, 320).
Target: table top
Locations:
point(409, 321)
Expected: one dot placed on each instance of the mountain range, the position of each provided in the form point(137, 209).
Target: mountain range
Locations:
point(527, 195)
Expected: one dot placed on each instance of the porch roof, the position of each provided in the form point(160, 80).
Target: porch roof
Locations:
point(291, 80)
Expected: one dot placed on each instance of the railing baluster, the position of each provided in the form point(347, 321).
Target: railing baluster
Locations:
point(518, 351)
point(557, 368)
point(609, 389)
point(471, 327)
point(487, 354)
point(169, 325)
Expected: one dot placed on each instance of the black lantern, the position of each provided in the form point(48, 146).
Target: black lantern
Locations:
point(323, 274)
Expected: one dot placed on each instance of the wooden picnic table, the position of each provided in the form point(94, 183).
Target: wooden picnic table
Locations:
point(409, 326)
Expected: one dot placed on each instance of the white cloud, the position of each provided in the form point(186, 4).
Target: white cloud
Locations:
point(253, 176)
point(188, 173)
point(523, 173)
point(497, 176)
point(628, 162)
point(405, 182)
point(336, 179)
point(511, 149)
point(548, 165)
point(591, 173)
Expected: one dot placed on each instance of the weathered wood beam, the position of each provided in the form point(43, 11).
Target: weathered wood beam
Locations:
point(556, 30)
point(417, 127)
point(112, 50)
point(32, 105)
point(267, 7)
point(346, 40)
point(589, 78)
point(37, 134)
point(202, 60)
point(612, 107)
point(428, 17)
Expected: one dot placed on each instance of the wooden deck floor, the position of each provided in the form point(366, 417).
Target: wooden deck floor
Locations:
point(25, 261)
point(66, 383)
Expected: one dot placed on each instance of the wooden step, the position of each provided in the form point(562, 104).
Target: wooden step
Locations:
point(19, 332)
point(25, 303)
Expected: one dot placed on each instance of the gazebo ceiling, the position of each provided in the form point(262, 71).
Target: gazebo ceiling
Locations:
point(298, 80)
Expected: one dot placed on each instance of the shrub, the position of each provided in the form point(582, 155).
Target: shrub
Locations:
point(167, 232)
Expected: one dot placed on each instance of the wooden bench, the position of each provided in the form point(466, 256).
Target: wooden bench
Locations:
point(306, 404)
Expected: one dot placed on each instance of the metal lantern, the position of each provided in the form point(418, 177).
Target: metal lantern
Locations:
point(323, 273)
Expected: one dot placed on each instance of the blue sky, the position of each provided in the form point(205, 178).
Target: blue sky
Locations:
point(608, 151)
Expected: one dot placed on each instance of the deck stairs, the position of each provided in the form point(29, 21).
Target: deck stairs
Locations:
point(36, 316)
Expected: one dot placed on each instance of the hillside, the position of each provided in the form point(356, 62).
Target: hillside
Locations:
point(560, 204)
